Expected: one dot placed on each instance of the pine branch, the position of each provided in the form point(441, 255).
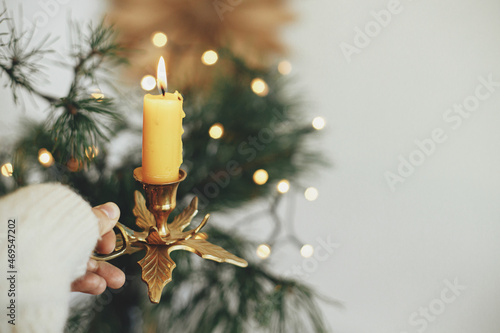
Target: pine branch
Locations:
point(83, 120)
point(20, 61)
point(77, 121)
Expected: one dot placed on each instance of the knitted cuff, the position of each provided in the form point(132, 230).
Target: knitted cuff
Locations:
point(56, 232)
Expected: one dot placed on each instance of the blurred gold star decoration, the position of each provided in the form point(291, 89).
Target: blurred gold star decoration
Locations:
point(250, 29)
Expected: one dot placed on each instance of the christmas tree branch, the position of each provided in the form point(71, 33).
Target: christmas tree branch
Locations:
point(19, 61)
point(78, 120)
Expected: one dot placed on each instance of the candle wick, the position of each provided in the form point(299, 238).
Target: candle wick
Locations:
point(162, 91)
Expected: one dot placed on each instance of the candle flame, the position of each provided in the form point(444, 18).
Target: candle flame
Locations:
point(161, 76)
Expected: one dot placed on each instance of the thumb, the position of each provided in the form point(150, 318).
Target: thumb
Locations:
point(107, 214)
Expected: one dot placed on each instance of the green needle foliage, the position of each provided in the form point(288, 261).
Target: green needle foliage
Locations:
point(259, 133)
point(19, 60)
point(76, 121)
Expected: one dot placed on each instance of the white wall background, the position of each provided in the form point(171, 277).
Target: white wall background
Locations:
point(443, 222)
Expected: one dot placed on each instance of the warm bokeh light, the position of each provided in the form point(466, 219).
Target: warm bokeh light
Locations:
point(216, 131)
point(283, 186)
point(209, 57)
point(259, 87)
point(284, 67)
point(307, 251)
point(7, 170)
point(159, 39)
point(45, 157)
point(91, 152)
point(311, 193)
point(97, 94)
point(260, 177)
point(148, 82)
point(263, 251)
point(318, 123)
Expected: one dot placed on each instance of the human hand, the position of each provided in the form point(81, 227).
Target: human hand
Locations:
point(101, 274)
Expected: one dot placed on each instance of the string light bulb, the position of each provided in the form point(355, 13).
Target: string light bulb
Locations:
point(91, 152)
point(148, 82)
point(284, 67)
point(283, 186)
point(159, 39)
point(311, 194)
point(306, 251)
point(216, 131)
point(209, 57)
point(45, 157)
point(318, 123)
point(97, 94)
point(263, 251)
point(259, 87)
point(7, 170)
point(260, 177)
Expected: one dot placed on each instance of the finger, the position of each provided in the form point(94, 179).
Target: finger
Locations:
point(108, 214)
point(113, 276)
point(107, 243)
point(90, 283)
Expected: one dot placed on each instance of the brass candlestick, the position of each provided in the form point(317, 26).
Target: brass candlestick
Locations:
point(159, 238)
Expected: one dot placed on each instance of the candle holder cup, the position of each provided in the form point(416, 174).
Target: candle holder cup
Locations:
point(159, 238)
point(161, 199)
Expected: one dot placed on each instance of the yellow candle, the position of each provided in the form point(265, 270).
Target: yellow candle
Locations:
point(161, 133)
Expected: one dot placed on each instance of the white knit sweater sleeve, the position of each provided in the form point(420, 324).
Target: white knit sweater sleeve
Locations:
point(56, 232)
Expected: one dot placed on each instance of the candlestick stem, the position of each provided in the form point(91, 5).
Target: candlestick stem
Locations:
point(160, 199)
